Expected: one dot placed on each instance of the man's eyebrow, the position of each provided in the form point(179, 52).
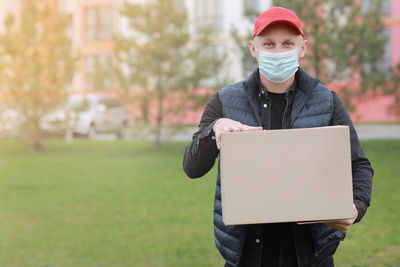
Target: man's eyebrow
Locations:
point(290, 39)
point(284, 39)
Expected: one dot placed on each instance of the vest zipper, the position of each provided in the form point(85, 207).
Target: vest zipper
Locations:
point(284, 112)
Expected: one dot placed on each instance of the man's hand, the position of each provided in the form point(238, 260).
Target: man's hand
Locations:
point(344, 225)
point(228, 125)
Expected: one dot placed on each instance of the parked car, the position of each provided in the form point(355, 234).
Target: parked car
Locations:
point(9, 122)
point(89, 115)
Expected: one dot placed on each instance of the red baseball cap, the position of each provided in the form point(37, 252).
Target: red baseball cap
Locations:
point(277, 15)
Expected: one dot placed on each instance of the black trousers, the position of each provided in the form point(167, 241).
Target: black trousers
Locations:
point(326, 263)
point(273, 245)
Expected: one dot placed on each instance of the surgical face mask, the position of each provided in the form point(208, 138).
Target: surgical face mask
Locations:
point(278, 67)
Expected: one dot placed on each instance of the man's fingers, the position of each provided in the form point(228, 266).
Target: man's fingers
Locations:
point(218, 141)
point(251, 128)
point(228, 125)
point(235, 129)
point(224, 129)
point(344, 225)
point(341, 225)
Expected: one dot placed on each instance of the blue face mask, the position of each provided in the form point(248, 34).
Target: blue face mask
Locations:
point(278, 67)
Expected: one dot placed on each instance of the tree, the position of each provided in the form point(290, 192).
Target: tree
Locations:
point(161, 56)
point(346, 35)
point(346, 39)
point(248, 62)
point(100, 75)
point(393, 87)
point(36, 64)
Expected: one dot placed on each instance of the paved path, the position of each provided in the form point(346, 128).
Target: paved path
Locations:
point(365, 132)
point(378, 131)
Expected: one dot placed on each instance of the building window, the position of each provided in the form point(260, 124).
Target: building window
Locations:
point(179, 5)
point(251, 7)
point(62, 6)
point(386, 62)
point(70, 27)
point(386, 7)
point(209, 13)
point(368, 5)
point(99, 72)
point(99, 23)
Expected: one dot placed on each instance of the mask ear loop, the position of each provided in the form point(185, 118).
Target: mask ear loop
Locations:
point(299, 49)
point(254, 44)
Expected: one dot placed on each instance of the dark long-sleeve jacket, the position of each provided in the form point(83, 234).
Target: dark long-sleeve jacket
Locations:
point(201, 153)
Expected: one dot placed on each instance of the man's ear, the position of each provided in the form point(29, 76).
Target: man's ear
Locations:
point(252, 49)
point(303, 49)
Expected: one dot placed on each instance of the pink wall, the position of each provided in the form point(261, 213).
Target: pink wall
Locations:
point(374, 109)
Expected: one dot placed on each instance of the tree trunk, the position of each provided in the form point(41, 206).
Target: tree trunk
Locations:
point(316, 55)
point(37, 145)
point(37, 138)
point(157, 141)
point(37, 142)
point(68, 136)
point(317, 62)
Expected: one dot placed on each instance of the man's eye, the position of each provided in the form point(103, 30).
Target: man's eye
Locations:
point(268, 44)
point(288, 43)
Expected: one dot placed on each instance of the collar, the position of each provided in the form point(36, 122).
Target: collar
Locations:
point(263, 93)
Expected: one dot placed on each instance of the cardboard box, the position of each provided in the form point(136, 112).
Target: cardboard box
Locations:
point(293, 175)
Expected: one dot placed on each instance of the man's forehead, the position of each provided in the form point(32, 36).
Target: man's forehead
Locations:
point(274, 33)
point(279, 29)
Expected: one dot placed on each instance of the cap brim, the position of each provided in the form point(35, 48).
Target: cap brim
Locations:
point(286, 22)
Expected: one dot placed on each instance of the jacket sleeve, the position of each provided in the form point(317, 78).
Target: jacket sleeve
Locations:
point(201, 153)
point(362, 171)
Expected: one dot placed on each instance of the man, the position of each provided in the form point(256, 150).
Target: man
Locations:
point(277, 95)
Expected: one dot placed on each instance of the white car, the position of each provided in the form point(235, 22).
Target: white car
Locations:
point(9, 122)
point(88, 115)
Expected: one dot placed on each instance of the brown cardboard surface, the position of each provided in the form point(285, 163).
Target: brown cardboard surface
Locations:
point(293, 175)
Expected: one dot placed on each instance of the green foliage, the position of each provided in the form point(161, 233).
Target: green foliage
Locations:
point(248, 63)
point(99, 77)
point(102, 203)
point(351, 40)
point(242, 42)
point(160, 55)
point(36, 64)
point(393, 87)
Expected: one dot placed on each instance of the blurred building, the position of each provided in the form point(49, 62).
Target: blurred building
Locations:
point(6, 7)
point(225, 16)
point(94, 23)
point(391, 13)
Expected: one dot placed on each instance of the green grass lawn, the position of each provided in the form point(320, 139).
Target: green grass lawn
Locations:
point(105, 203)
